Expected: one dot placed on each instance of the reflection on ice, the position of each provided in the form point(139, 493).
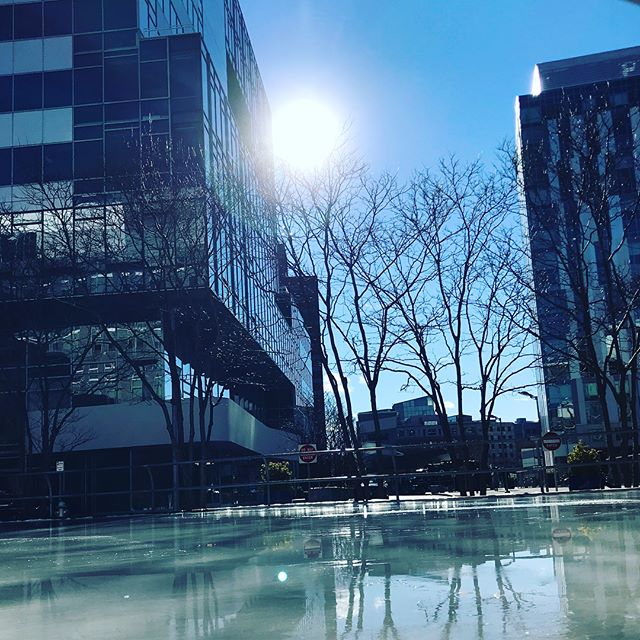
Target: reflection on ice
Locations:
point(552, 567)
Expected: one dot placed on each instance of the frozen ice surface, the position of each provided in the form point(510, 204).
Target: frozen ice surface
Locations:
point(547, 567)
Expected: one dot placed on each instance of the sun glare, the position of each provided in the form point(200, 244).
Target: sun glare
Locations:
point(305, 131)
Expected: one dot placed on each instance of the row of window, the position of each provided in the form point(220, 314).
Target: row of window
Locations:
point(26, 128)
point(31, 164)
point(41, 54)
point(62, 17)
point(111, 155)
point(30, 91)
point(116, 81)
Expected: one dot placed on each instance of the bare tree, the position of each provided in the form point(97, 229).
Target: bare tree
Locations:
point(308, 208)
point(336, 224)
point(63, 375)
point(459, 322)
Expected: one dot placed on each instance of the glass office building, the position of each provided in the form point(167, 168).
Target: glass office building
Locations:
point(577, 139)
point(85, 85)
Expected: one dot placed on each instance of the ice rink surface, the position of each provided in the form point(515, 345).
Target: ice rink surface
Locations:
point(558, 566)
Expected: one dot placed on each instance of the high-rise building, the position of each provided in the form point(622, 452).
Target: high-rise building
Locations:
point(577, 134)
point(90, 91)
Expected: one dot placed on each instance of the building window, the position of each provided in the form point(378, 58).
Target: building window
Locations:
point(58, 53)
point(88, 115)
point(57, 89)
point(88, 159)
point(57, 18)
point(58, 161)
point(122, 112)
point(153, 81)
point(5, 167)
point(27, 128)
point(153, 50)
point(27, 163)
point(5, 130)
point(87, 15)
point(6, 93)
point(91, 132)
point(118, 152)
point(120, 39)
point(6, 58)
point(58, 125)
point(120, 14)
point(121, 78)
point(87, 85)
point(6, 23)
point(27, 56)
point(87, 42)
point(27, 20)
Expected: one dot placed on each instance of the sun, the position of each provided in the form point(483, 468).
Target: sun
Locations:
point(305, 132)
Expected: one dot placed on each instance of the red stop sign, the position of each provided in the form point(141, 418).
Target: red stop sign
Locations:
point(307, 453)
point(551, 441)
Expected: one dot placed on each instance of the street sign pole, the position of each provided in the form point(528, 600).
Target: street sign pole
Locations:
point(543, 480)
point(551, 441)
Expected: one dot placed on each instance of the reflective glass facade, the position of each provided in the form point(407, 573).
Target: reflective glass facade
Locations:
point(82, 82)
point(577, 138)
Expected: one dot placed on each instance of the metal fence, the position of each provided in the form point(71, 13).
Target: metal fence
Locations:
point(253, 480)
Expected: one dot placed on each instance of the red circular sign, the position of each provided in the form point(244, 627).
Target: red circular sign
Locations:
point(551, 441)
point(307, 453)
point(561, 535)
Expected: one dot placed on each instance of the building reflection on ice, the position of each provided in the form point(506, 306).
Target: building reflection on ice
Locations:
point(551, 568)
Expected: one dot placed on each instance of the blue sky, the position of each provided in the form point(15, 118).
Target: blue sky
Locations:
point(422, 79)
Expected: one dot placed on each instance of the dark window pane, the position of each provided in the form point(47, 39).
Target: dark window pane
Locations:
point(87, 115)
point(58, 161)
point(121, 112)
point(155, 126)
point(88, 186)
point(27, 164)
point(27, 20)
point(185, 75)
point(6, 23)
point(120, 152)
point(87, 85)
point(87, 15)
point(120, 14)
point(57, 89)
point(120, 39)
point(154, 108)
point(57, 18)
point(90, 132)
point(87, 42)
point(87, 59)
point(27, 90)
point(156, 150)
point(5, 167)
point(120, 78)
point(6, 93)
point(153, 49)
point(88, 159)
point(153, 80)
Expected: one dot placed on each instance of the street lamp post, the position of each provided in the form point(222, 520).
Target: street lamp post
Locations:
point(541, 454)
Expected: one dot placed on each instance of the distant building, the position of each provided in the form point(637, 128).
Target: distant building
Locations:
point(413, 422)
point(507, 440)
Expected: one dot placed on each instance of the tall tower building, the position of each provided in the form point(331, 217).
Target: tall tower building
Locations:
point(577, 136)
point(91, 90)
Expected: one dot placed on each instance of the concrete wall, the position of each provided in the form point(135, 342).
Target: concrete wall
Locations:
point(140, 424)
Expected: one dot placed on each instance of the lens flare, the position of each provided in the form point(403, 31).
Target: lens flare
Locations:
point(305, 132)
